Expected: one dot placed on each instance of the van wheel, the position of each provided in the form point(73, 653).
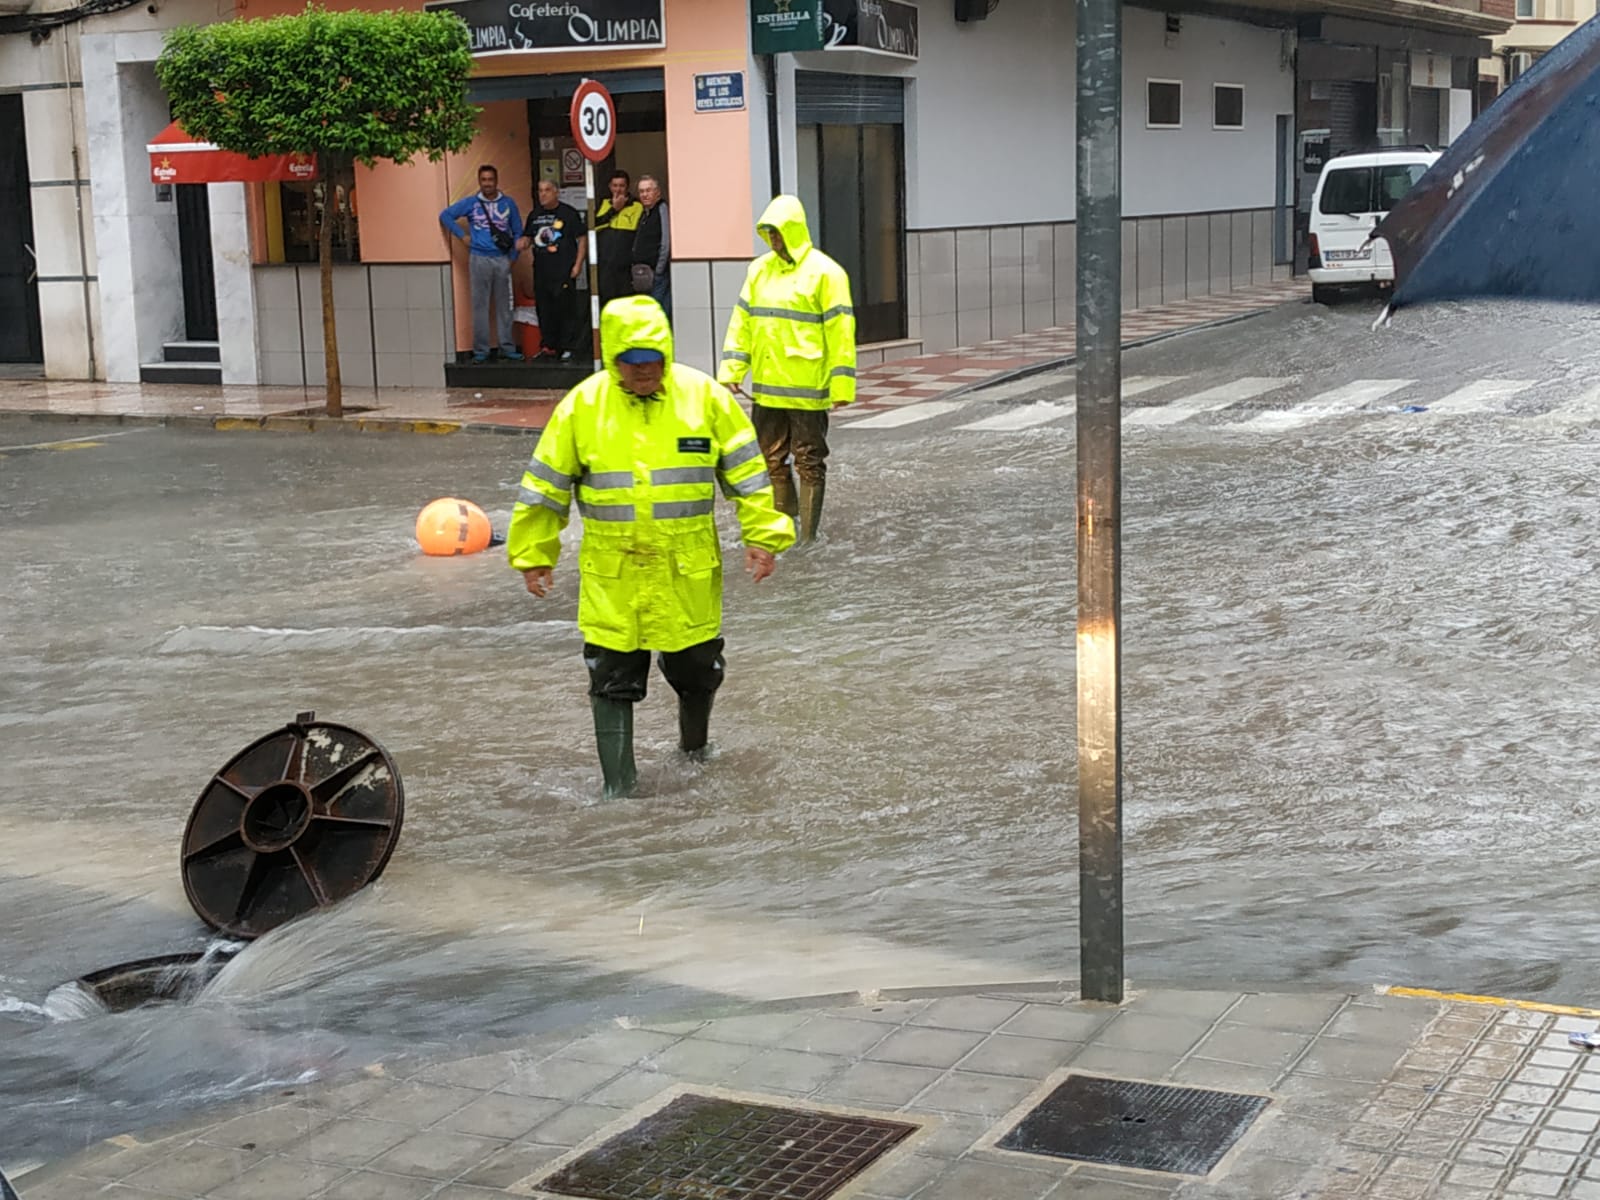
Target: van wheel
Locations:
point(1321, 293)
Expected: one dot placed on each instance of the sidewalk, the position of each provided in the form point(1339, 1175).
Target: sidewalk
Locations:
point(1374, 1096)
point(899, 382)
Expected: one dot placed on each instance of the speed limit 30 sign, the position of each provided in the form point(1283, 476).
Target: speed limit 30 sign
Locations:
point(594, 120)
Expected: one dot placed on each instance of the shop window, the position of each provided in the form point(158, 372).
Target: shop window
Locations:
point(300, 208)
point(1163, 104)
point(1227, 106)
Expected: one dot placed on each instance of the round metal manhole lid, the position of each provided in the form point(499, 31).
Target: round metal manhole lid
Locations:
point(298, 820)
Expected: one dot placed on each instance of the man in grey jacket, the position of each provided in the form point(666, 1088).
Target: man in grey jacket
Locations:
point(652, 244)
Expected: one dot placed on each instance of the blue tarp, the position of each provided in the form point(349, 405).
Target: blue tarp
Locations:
point(1513, 207)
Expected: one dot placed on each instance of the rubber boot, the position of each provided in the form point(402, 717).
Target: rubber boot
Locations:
point(811, 495)
point(613, 735)
point(694, 724)
point(783, 496)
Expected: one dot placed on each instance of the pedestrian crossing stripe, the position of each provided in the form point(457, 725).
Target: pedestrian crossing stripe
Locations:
point(1481, 397)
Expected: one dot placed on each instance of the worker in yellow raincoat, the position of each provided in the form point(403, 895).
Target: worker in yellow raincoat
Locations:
point(793, 333)
point(642, 447)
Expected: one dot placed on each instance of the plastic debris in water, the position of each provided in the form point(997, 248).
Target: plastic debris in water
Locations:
point(1413, 408)
point(1589, 1040)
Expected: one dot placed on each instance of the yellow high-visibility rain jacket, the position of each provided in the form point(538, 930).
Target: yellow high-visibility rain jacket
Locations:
point(645, 471)
point(794, 329)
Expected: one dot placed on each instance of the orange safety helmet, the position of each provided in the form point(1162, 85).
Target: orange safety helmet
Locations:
point(448, 527)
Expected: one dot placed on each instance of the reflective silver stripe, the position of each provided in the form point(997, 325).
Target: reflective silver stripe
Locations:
point(838, 310)
point(607, 479)
point(549, 474)
point(606, 512)
point(671, 475)
point(797, 393)
point(744, 304)
point(528, 496)
point(788, 314)
point(738, 457)
point(842, 373)
point(682, 508)
point(748, 487)
point(735, 356)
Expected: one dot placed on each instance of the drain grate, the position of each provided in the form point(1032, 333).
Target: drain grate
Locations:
point(1121, 1123)
point(709, 1148)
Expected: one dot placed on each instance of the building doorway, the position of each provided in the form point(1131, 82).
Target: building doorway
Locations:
point(21, 338)
point(856, 126)
point(194, 254)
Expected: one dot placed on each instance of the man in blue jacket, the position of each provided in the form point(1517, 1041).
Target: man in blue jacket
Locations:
point(495, 240)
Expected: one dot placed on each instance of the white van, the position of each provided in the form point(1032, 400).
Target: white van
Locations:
point(1354, 193)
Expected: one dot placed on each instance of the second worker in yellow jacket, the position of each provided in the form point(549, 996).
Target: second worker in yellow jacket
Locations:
point(642, 447)
point(793, 333)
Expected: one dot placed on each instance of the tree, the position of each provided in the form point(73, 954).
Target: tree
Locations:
point(343, 86)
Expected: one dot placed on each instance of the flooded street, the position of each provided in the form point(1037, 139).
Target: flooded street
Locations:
point(1359, 688)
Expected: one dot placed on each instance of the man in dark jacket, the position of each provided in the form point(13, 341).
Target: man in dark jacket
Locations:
point(616, 221)
point(652, 245)
point(559, 243)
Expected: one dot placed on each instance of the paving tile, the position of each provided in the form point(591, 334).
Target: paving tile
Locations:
point(104, 1161)
point(417, 1104)
point(758, 1029)
point(616, 1047)
point(1342, 1059)
point(1471, 1176)
point(879, 1083)
point(371, 1185)
point(1151, 1034)
point(892, 1012)
point(501, 1116)
point(970, 1180)
point(1253, 1047)
point(787, 1071)
point(559, 1079)
point(1058, 1024)
point(572, 1126)
point(902, 1174)
point(485, 1073)
point(357, 1093)
point(1501, 1133)
point(274, 1178)
point(925, 1047)
point(696, 1061)
point(1286, 1014)
point(1399, 1024)
point(1554, 1162)
point(833, 1035)
point(1124, 1064)
point(194, 1169)
point(1569, 1119)
point(989, 1096)
point(436, 1154)
point(268, 1129)
point(1207, 1007)
point(350, 1141)
point(1560, 1139)
point(512, 1165)
point(973, 1013)
point(461, 1191)
point(1224, 1076)
point(635, 1087)
point(1033, 1058)
point(949, 1136)
point(1528, 1184)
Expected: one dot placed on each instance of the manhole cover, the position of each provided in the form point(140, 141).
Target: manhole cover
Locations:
point(708, 1148)
point(1124, 1124)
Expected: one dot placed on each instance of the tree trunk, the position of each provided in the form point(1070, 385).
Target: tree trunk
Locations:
point(330, 336)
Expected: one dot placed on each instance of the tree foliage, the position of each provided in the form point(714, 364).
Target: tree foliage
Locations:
point(362, 86)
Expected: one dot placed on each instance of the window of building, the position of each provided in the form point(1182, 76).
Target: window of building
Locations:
point(300, 208)
point(1227, 106)
point(1525, 10)
point(1163, 104)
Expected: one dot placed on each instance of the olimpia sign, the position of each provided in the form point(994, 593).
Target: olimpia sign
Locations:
point(532, 26)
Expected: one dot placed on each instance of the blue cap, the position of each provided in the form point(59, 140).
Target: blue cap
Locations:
point(641, 354)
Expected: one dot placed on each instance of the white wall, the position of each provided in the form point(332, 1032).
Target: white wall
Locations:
point(991, 124)
point(1198, 168)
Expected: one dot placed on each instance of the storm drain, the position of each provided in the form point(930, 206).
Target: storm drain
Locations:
point(709, 1148)
point(1121, 1123)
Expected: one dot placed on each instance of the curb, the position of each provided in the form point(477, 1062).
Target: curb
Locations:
point(1539, 1006)
point(1055, 364)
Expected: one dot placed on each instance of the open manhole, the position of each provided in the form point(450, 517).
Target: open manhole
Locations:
point(706, 1147)
point(1122, 1123)
point(296, 821)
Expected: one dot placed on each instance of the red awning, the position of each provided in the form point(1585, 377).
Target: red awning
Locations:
point(175, 157)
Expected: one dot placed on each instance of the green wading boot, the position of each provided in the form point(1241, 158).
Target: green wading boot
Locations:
point(694, 724)
point(783, 496)
point(811, 495)
point(613, 734)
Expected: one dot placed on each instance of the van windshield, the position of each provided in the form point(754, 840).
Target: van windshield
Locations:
point(1355, 191)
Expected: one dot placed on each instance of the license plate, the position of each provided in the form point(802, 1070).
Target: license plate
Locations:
point(1345, 255)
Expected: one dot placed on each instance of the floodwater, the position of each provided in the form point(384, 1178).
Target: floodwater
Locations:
point(1360, 744)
